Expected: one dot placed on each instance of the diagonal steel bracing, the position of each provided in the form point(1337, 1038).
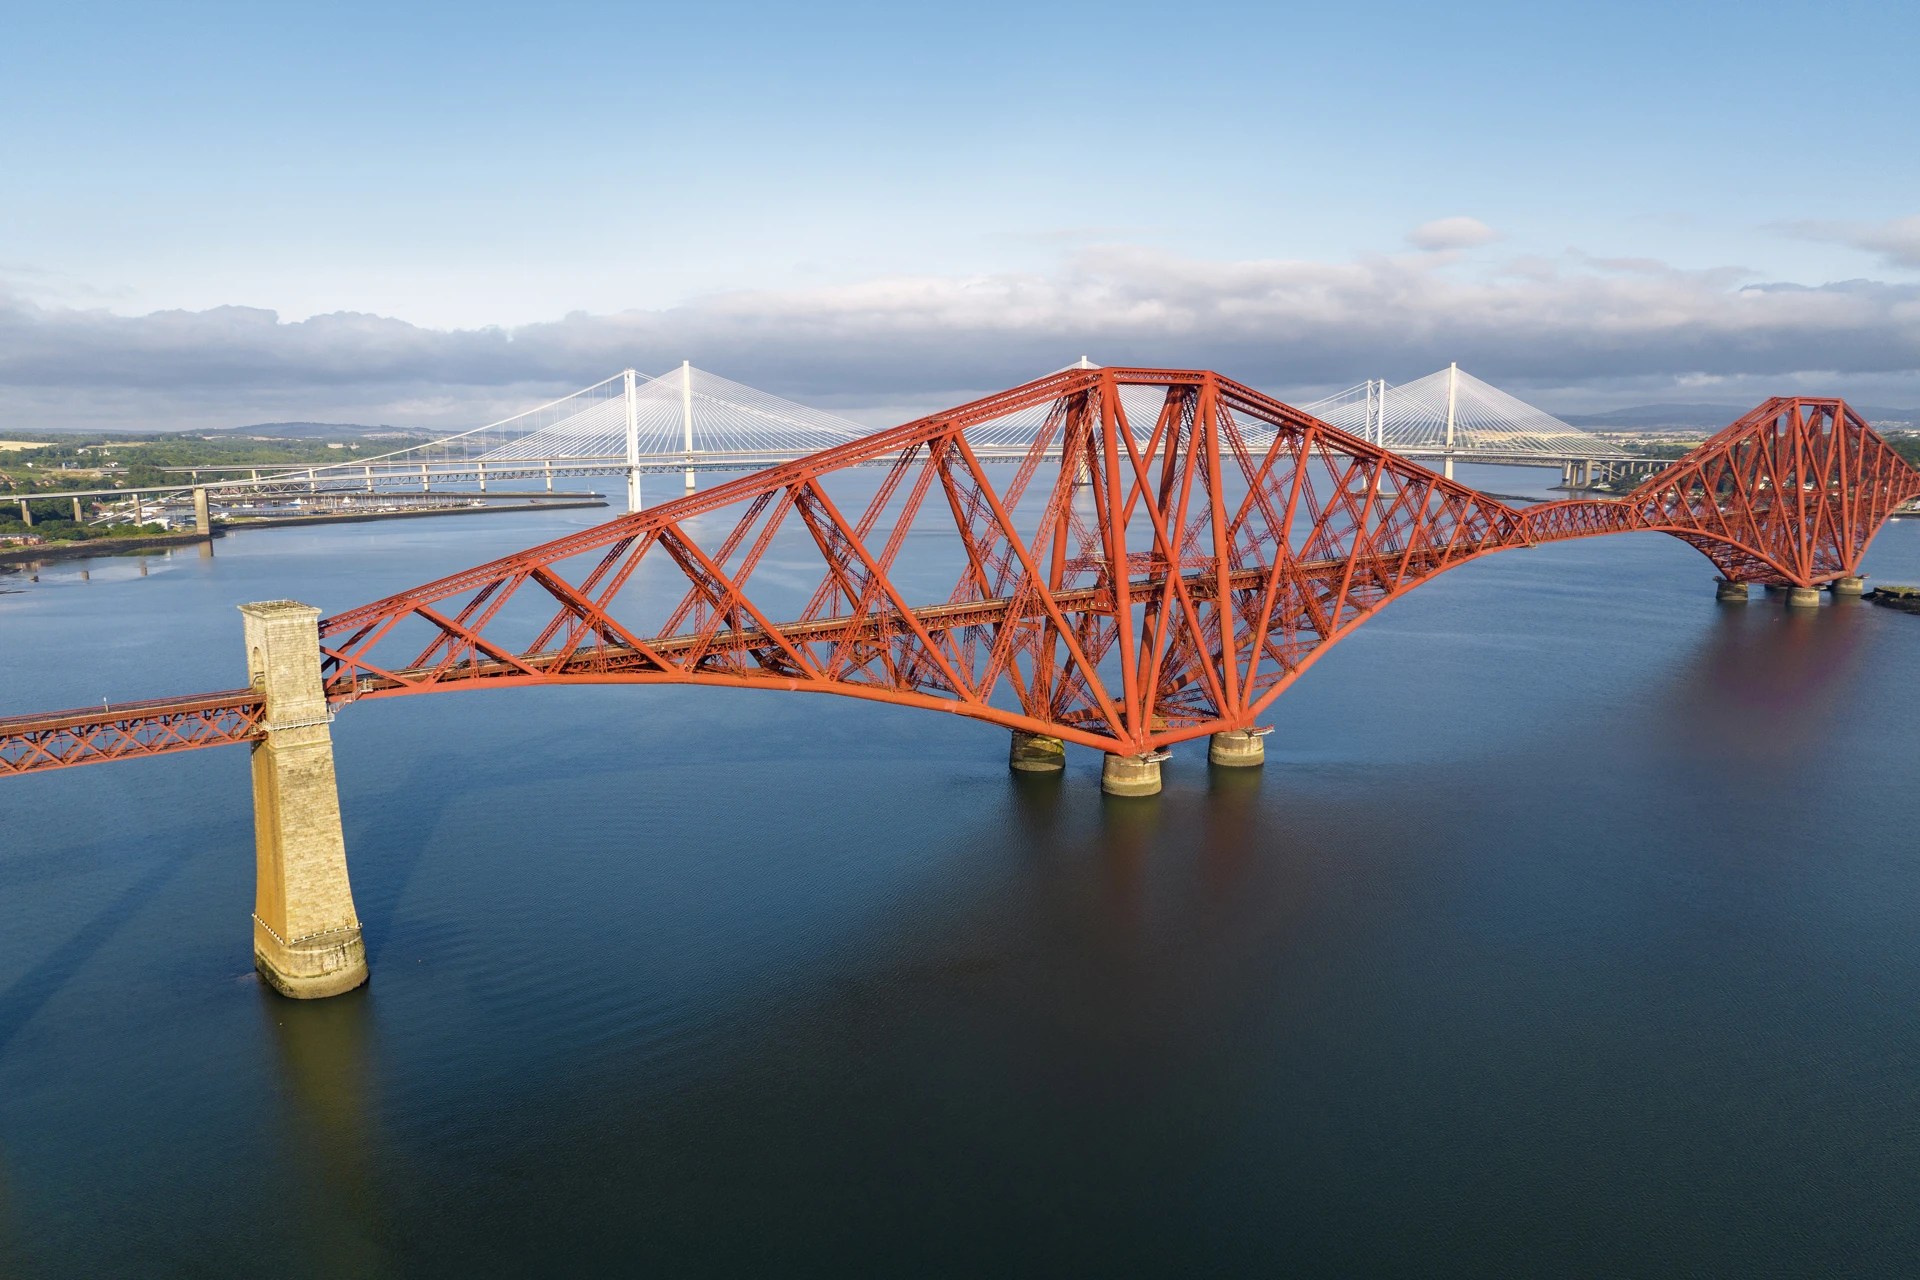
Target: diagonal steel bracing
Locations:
point(1126, 587)
point(1789, 495)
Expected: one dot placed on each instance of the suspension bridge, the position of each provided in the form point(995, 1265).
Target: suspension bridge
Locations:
point(691, 421)
point(1171, 551)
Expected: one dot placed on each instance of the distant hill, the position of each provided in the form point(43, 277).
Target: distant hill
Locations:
point(1708, 417)
point(313, 431)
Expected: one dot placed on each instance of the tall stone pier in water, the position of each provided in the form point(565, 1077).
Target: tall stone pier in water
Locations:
point(306, 935)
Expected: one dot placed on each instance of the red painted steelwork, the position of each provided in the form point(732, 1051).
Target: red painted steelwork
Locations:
point(1790, 495)
point(92, 734)
point(1241, 565)
point(1240, 568)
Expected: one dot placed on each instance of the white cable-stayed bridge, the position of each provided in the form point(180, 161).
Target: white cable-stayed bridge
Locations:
point(690, 421)
point(1452, 416)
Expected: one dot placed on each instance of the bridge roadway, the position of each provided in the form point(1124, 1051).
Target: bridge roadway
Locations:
point(420, 477)
point(83, 735)
point(410, 477)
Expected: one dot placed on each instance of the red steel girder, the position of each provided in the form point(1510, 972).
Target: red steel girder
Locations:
point(30, 744)
point(1789, 495)
point(1169, 581)
point(1241, 565)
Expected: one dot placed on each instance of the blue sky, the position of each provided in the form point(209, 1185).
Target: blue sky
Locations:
point(211, 213)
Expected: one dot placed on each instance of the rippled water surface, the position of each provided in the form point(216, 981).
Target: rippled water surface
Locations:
point(1569, 929)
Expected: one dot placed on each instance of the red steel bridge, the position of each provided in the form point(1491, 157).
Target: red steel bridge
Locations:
point(1173, 551)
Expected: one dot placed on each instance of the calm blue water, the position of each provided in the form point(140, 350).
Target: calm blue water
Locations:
point(1570, 929)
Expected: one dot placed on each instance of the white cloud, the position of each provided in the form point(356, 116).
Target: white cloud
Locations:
point(1451, 233)
point(1568, 322)
point(1896, 241)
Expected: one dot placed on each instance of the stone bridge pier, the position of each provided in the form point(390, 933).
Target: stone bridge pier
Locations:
point(306, 935)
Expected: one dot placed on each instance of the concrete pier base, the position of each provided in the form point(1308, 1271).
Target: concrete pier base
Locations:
point(1131, 776)
point(306, 934)
point(1036, 753)
point(1803, 598)
point(1848, 586)
point(310, 968)
point(1730, 591)
point(202, 521)
point(1236, 748)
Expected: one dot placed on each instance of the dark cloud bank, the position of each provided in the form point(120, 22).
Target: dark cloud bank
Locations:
point(1573, 328)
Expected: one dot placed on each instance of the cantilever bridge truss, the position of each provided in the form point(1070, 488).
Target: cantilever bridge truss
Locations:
point(1172, 551)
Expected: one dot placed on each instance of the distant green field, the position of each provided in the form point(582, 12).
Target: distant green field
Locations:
point(110, 461)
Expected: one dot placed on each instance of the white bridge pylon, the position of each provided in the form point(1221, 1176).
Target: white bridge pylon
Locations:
point(690, 420)
point(687, 420)
point(690, 417)
point(1451, 414)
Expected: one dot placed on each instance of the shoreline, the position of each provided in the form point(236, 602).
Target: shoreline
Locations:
point(102, 546)
point(221, 528)
point(284, 522)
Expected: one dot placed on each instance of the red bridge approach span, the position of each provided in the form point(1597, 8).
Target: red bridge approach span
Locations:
point(1252, 538)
